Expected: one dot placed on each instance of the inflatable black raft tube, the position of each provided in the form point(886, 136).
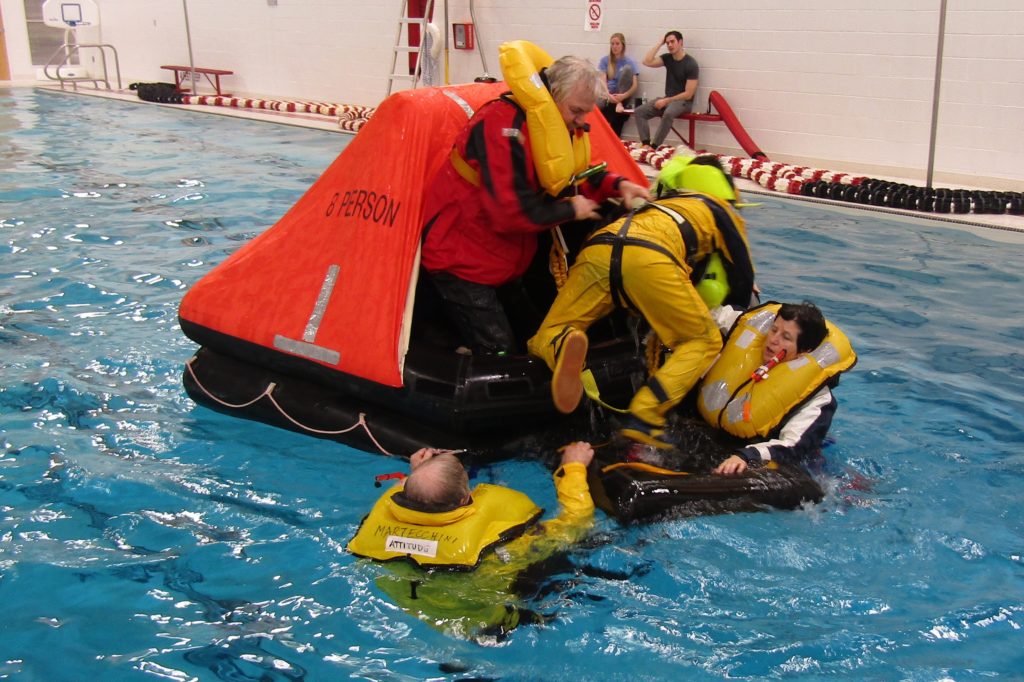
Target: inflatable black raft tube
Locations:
point(634, 491)
point(494, 407)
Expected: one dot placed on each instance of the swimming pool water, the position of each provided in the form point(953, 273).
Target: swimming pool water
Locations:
point(143, 537)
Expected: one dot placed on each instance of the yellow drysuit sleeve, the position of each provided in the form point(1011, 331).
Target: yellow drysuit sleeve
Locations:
point(575, 518)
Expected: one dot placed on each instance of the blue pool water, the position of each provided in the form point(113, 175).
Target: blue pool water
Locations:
point(143, 537)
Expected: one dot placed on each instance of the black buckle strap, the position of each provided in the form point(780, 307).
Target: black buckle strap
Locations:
point(619, 296)
point(686, 230)
point(618, 242)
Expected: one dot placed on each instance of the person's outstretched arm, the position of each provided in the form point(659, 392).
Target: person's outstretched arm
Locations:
point(798, 441)
point(571, 484)
point(575, 515)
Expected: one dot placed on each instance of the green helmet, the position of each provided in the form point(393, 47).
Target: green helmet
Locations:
point(682, 173)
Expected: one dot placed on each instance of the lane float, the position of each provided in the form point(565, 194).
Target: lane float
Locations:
point(350, 117)
point(860, 189)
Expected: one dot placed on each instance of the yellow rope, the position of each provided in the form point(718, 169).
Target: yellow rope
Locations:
point(642, 466)
point(654, 352)
point(558, 259)
point(592, 391)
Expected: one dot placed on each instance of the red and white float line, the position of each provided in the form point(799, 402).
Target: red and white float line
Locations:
point(655, 158)
point(351, 117)
point(779, 177)
point(782, 177)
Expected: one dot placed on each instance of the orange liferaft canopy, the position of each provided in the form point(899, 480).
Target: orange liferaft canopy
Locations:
point(332, 281)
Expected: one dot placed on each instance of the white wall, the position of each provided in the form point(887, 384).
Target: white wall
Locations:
point(840, 85)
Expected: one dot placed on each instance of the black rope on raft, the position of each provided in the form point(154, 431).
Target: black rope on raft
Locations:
point(268, 393)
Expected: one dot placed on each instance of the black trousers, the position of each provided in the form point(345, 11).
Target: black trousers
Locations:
point(614, 118)
point(482, 313)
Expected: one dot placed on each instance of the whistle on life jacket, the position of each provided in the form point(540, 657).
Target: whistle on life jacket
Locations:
point(379, 479)
point(761, 373)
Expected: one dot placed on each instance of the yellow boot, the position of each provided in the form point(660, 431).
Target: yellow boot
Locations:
point(566, 382)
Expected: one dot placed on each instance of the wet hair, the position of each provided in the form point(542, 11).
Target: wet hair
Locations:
point(677, 34)
point(444, 489)
point(811, 322)
point(612, 60)
point(568, 73)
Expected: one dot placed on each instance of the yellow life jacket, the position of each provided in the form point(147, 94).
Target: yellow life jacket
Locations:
point(731, 400)
point(453, 539)
point(557, 155)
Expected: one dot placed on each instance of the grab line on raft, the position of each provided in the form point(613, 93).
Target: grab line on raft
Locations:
point(268, 393)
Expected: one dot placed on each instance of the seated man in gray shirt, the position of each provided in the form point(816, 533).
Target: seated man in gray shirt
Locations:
point(681, 73)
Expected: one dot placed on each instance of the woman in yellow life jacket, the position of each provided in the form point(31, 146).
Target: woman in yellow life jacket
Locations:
point(771, 385)
point(648, 263)
point(432, 529)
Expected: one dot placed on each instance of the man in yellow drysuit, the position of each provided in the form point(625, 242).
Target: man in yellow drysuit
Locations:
point(648, 262)
point(433, 528)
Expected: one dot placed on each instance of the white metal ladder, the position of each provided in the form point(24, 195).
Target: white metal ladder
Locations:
point(404, 22)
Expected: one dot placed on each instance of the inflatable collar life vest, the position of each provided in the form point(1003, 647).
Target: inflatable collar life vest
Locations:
point(557, 156)
point(732, 401)
point(454, 539)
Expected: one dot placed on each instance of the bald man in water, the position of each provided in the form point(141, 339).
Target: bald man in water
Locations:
point(482, 603)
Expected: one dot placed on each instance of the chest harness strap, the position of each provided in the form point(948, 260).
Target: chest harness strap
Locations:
point(621, 239)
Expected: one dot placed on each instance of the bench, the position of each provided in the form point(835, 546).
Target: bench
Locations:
point(183, 74)
point(691, 141)
point(692, 118)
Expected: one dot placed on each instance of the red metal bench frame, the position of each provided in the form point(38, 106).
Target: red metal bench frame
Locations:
point(692, 118)
point(182, 74)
